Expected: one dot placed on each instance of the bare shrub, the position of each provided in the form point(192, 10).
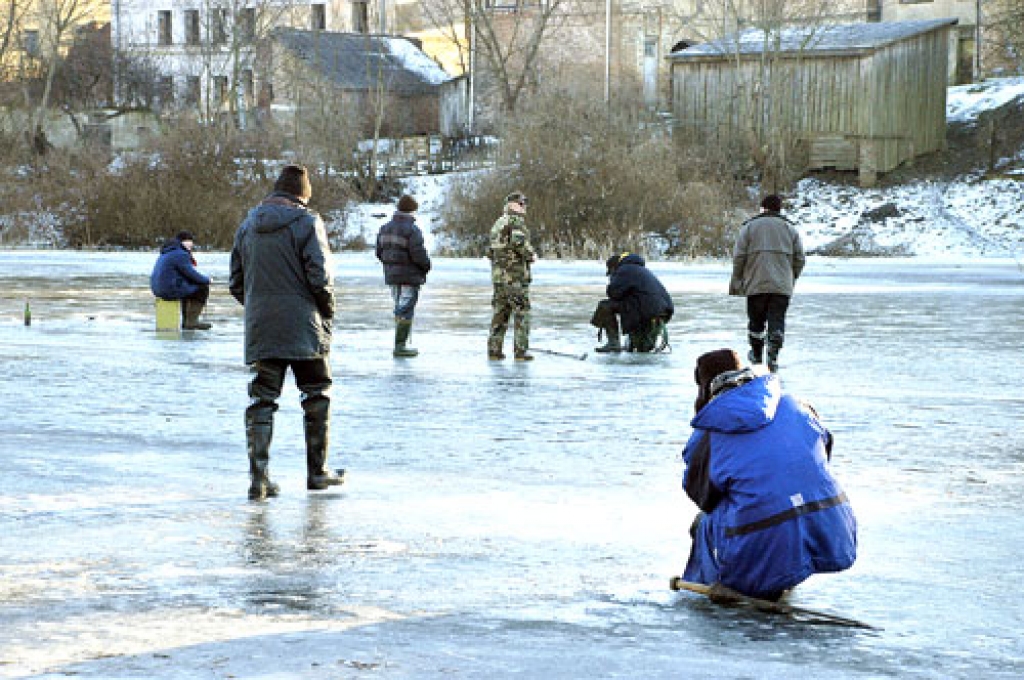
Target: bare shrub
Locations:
point(599, 181)
point(192, 177)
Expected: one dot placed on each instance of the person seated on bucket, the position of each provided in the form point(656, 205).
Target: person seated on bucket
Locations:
point(175, 277)
point(635, 296)
point(771, 513)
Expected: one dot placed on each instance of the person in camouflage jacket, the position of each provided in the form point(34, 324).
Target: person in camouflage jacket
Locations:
point(511, 255)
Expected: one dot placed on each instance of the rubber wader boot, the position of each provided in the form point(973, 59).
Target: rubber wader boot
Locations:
point(191, 309)
point(494, 348)
point(772, 347)
point(317, 423)
point(402, 329)
point(258, 434)
point(756, 353)
point(614, 343)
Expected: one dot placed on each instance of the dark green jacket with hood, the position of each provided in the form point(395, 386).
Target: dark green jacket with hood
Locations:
point(281, 273)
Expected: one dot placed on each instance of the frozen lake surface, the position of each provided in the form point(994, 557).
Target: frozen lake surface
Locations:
point(500, 519)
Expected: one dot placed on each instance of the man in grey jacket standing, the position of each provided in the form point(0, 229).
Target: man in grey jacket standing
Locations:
point(766, 262)
point(281, 273)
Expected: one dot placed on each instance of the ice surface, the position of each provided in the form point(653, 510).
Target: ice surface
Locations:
point(501, 519)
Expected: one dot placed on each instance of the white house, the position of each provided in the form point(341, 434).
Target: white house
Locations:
point(203, 53)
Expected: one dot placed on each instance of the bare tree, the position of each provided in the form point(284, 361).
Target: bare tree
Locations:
point(12, 13)
point(56, 20)
point(504, 39)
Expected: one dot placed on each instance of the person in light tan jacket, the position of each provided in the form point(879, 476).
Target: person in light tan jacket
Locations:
point(767, 260)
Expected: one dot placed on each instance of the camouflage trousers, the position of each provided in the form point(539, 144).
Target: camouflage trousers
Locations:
point(510, 301)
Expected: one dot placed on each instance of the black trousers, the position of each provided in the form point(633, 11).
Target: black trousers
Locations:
point(766, 317)
point(312, 377)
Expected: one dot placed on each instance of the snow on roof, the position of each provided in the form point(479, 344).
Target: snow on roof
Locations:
point(416, 60)
point(834, 38)
point(345, 57)
point(965, 102)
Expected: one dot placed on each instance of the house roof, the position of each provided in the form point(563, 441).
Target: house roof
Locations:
point(847, 39)
point(353, 60)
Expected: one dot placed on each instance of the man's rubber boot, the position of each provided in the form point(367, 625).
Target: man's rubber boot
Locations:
point(771, 348)
point(259, 430)
point(402, 329)
point(190, 310)
point(524, 356)
point(494, 349)
point(614, 343)
point(756, 353)
point(316, 421)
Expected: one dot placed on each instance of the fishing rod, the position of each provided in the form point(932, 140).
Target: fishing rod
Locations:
point(567, 355)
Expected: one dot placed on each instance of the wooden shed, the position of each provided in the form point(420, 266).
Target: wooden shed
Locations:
point(863, 97)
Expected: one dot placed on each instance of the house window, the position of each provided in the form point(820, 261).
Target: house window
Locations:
point(191, 27)
point(193, 91)
point(218, 26)
point(318, 17)
point(247, 23)
point(360, 17)
point(163, 27)
point(165, 90)
point(248, 88)
point(266, 96)
point(220, 91)
point(30, 42)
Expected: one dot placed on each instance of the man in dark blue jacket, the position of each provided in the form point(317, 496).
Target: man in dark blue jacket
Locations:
point(757, 467)
point(406, 263)
point(175, 277)
point(637, 298)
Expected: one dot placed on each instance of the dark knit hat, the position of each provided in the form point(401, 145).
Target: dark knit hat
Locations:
point(407, 204)
point(185, 236)
point(294, 180)
point(709, 366)
point(613, 262)
point(772, 203)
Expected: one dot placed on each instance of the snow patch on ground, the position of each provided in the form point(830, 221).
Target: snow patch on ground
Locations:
point(964, 103)
point(970, 216)
point(430, 191)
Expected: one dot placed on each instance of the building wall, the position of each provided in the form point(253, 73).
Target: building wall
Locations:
point(139, 32)
point(868, 111)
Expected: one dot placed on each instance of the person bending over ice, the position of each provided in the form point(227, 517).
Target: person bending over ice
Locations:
point(771, 513)
point(637, 298)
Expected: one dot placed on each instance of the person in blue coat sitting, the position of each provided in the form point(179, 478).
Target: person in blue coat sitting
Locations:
point(757, 467)
point(175, 277)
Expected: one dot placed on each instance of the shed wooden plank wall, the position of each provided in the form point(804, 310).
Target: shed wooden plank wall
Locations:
point(882, 107)
point(906, 109)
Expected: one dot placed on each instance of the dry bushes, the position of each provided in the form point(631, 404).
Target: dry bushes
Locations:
point(599, 181)
point(198, 178)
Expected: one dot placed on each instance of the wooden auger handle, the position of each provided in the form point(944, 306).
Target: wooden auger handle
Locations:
point(720, 594)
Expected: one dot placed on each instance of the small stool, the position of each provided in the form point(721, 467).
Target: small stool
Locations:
point(168, 315)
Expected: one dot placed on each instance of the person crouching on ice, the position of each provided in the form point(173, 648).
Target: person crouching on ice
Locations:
point(757, 467)
point(635, 296)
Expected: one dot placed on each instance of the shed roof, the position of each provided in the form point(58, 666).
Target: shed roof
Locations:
point(847, 39)
point(352, 60)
